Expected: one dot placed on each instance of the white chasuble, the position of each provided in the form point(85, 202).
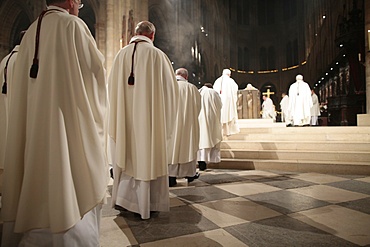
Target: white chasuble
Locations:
point(55, 163)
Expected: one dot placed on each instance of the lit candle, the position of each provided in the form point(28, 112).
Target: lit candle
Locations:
point(359, 57)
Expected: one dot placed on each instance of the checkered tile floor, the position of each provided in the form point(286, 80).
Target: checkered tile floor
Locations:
point(252, 208)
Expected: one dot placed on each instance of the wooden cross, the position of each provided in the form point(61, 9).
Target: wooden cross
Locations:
point(268, 93)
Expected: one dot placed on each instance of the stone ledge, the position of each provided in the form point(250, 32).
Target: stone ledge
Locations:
point(347, 168)
point(363, 119)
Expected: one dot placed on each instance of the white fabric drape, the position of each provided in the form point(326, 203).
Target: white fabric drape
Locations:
point(210, 126)
point(4, 111)
point(300, 103)
point(268, 109)
point(55, 157)
point(284, 106)
point(228, 90)
point(141, 125)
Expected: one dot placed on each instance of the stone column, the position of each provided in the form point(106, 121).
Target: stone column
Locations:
point(367, 52)
point(364, 119)
point(114, 26)
point(110, 40)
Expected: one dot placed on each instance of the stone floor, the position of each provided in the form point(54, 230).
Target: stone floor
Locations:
point(251, 208)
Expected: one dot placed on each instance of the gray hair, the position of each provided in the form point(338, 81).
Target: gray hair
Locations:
point(144, 28)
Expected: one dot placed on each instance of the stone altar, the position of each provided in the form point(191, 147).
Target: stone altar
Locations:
point(249, 103)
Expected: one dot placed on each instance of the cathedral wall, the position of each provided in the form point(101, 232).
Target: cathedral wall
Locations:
point(265, 43)
point(267, 36)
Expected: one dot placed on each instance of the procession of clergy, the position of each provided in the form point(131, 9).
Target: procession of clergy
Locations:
point(300, 107)
point(63, 123)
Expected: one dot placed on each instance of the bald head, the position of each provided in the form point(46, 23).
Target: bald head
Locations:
point(182, 72)
point(209, 85)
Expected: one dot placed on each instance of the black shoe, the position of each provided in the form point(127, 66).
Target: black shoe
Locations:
point(119, 208)
point(172, 181)
point(191, 179)
point(202, 165)
point(111, 172)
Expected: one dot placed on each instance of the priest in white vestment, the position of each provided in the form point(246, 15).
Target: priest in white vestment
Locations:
point(315, 109)
point(300, 102)
point(186, 135)
point(284, 107)
point(210, 127)
point(143, 107)
point(56, 169)
point(6, 76)
point(228, 90)
point(268, 108)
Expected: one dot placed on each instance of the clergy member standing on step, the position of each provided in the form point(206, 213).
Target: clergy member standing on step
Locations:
point(143, 96)
point(186, 136)
point(56, 168)
point(228, 90)
point(300, 102)
point(284, 107)
point(210, 127)
point(315, 109)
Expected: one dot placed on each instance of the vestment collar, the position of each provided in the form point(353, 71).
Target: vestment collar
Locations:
point(141, 38)
point(180, 78)
point(57, 8)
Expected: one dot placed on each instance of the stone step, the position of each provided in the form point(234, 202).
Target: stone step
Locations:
point(254, 121)
point(309, 130)
point(262, 125)
point(259, 123)
point(313, 136)
point(336, 150)
point(333, 156)
point(317, 166)
point(296, 145)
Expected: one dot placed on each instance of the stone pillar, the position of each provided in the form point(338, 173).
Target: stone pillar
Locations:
point(367, 52)
point(110, 40)
point(142, 11)
point(364, 119)
point(121, 17)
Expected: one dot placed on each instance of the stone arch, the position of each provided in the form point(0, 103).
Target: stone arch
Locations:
point(15, 17)
point(21, 23)
point(87, 14)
